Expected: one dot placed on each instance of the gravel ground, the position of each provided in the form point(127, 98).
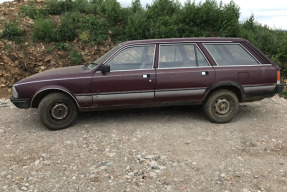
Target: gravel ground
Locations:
point(159, 149)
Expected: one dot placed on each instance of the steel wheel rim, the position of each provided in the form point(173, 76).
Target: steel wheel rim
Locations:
point(223, 107)
point(59, 111)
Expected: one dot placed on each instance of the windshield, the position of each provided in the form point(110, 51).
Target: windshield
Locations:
point(102, 58)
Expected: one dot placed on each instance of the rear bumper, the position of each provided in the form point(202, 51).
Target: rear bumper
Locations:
point(279, 88)
point(21, 103)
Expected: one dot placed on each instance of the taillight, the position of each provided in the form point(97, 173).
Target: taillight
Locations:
point(278, 77)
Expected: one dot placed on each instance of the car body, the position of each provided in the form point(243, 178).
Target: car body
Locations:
point(216, 72)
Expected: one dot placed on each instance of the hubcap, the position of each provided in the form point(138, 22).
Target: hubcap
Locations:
point(222, 107)
point(59, 111)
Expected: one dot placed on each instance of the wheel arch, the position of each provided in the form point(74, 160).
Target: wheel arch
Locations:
point(44, 92)
point(231, 86)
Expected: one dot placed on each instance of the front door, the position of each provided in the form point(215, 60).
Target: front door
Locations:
point(131, 80)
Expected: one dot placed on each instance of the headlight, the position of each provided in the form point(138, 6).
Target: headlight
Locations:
point(14, 92)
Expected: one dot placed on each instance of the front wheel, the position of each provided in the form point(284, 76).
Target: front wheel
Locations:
point(57, 111)
point(221, 107)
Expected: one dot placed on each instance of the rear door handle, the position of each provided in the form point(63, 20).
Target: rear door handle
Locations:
point(145, 76)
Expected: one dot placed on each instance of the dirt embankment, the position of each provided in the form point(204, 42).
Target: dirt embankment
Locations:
point(19, 60)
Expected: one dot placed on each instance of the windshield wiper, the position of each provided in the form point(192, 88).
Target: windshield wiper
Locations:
point(87, 64)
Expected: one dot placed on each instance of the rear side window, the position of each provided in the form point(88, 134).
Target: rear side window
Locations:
point(230, 54)
point(181, 56)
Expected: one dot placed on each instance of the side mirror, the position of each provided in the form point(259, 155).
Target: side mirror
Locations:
point(104, 69)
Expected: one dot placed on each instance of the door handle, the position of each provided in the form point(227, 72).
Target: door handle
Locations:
point(203, 73)
point(145, 76)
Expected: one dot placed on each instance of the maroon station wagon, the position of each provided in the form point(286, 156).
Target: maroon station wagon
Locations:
point(216, 72)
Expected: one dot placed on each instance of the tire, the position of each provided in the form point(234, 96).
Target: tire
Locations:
point(57, 111)
point(221, 107)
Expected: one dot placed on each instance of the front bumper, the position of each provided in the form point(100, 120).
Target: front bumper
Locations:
point(21, 103)
point(279, 88)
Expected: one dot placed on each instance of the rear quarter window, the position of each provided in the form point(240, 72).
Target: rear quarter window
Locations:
point(230, 54)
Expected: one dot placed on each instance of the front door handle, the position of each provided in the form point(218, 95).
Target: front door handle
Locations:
point(203, 73)
point(145, 76)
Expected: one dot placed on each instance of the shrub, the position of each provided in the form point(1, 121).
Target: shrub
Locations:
point(76, 57)
point(66, 31)
point(44, 30)
point(32, 12)
point(92, 28)
point(64, 46)
point(12, 31)
point(112, 9)
point(56, 7)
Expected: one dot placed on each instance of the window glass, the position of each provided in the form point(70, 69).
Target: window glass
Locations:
point(180, 56)
point(230, 54)
point(132, 58)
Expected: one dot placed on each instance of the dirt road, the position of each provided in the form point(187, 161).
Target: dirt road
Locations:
point(162, 149)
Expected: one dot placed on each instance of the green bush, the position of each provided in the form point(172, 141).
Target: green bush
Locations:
point(76, 57)
point(284, 93)
point(92, 28)
point(57, 7)
point(66, 31)
point(12, 31)
point(64, 46)
point(44, 30)
point(112, 10)
point(32, 12)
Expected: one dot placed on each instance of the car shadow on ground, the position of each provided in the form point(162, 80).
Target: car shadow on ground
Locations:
point(143, 114)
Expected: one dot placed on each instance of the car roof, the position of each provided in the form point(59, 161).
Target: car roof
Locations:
point(182, 40)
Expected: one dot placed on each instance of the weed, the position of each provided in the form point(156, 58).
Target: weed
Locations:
point(76, 57)
point(8, 49)
point(12, 31)
point(44, 30)
point(66, 31)
point(63, 46)
point(284, 93)
point(50, 48)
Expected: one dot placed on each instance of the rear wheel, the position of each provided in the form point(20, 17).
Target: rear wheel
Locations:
point(57, 111)
point(221, 107)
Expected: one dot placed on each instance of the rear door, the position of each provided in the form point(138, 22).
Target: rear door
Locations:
point(183, 73)
point(131, 80)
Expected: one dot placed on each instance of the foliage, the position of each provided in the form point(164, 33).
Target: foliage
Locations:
point(44, 30)
point(284, 93)
point(94, 21)
point(56, 7)
point(66, 31)
point(32, 12)
point(63, 46)
point(12, 31)
point(272, 42)
point(76, 57)
point(92, 28)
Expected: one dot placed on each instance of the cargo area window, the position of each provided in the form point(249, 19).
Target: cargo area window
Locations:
point(133, 58)
point(181, 56)
point(230, 54)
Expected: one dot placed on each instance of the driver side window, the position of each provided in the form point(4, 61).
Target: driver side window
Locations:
point(133, 58)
